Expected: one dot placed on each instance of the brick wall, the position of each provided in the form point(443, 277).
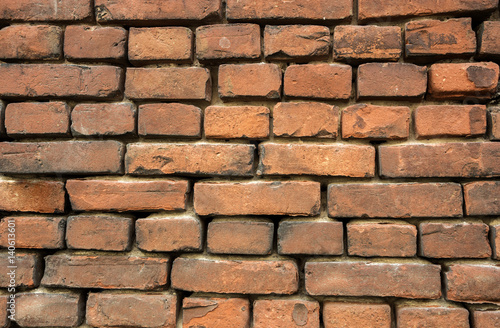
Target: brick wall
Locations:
point(250, 163)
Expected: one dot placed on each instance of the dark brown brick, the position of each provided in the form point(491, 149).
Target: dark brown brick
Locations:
point(472, 283)
point(45, 232)
point(432, 316)
point(45, 10)
point(49, 310)
point(356, 315)
point(296, 42)
point(31, 42)
point(37, 119)
point(24, 270)
point(175, 120)
point(215, 312)
point(291, 313)
point(250, 81)
point(489, 46)
point(111, 119)
point(41, 196)
point(87, 42)
point(227, 122)
point(310, 237)
point(482, 198)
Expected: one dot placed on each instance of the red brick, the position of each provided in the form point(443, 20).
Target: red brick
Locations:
point(463, 80)
point(356, 315)
point(367, 43)
point(482, 198)
point(200, 159)
point(310, 237)
point(468, 160)
point(105, 271)
point(46, 10)
point(494, 123)
point(257, 198)
point(228, 41)
point(215, 312)
point(486, 319)
point(33, 231)
point(489, 46)
point(323, 81)
point(39, 118)
point(131, 310)
point(473, 283)
point(395, 200)
point(495, 238)
point(127, 195)
point(86, 42)
point(348, 278)
point(175, 120)
point(454, 240)
point(111, 119)
point(160, 44)
point(41, 196)
point(365, 121)
point(449, 121)
point(227, 122)
point(432, 37)
point(28, 269)
point(169, 83)
point(250, 80)
point(227, 236)
point(296, 11)
point(296, 42)
point(63, 157)
point(235, 276)
point(432, 316)
point(285, 313)
point(31, 42)
point(2, 119)
point(57, 80)
point(160, 233)
point(49, 310)
point(6, 309)
point(305, 119)
point(391, 81)
point(158, 11)
point(99, 232)
point(386, 239)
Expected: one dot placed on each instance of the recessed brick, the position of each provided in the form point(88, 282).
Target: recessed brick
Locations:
point(494, 123)
point(170, 120)
point(489, 46)
point(31, 42)
point(356, 315)
point(310, 237)
point(482, 198)
point(49, 310)
point(45, 10)
point(291, 313)
point(86, 42)
point(28, 269)
point(42, 232)
point(432, 316)
point(215, 312)
point(227, 122)
point(112, 119)
point(37, 119)
point(41, 196)
point(472, 283)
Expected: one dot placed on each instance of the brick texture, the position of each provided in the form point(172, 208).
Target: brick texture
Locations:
point(434, 315)
point(285, 313)
point(172, 120)
point(41, 196)
point(27, 272)
point(227, 122)
point(39, 232)
point(482, 198)
point(31, 42)
point(356, 315)
point(112, 119)
point(250, 81)
point(46, 10)
point(296, 42)
point(43, 119)
point(83, 42)
point(215, 312)
point(488, 43)
point(473, 283)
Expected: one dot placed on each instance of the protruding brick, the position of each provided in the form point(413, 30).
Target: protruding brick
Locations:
point(250, 80)
point(170, 120)
point(367, 43)
point(431, 315)
point(169, 83)
point(105, 271)
point(391, 81)
point(45, 10)
point(310, 237)
point(469, 160)
point(364, 121)
point(323, 81)
point(240, 237)
point(472, 283)
point(160, 44)
point(482, 198)
point(291, 313)
point(111, 119)
point(489, 45)
point(494, 123)
point(296, 42)
point(86, 42)
point(49, 310)
point(46, 232)
point(41, 196)
point(152, 310)
point(495, 238)
point(102, 232)
point(395, 200)
point(405, 280)
point(127, 195)
point(486, 319)
point(235, 276)
point(37, 119)
point(24, 270)
point(463, 80)
point(227, 122)
point(31, 42)
point(356, 315)
point(215, 312)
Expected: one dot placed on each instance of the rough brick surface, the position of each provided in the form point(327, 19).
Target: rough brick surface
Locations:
point(489, 46)
point(473, 283)
point(356, 315)
point(495, 238)
point(5, 309)
point(86, 42)
point(49, 310)
point(486, 319)
point(432, 316)
point(31, 42)
point(285, 313)
point(215, 312)
point(37, 119)
point(226, 122)
point(45, 232)
point(494, 123)
point(482, 198)
point(28, 269)
point(175, 120)
point(292, 42)
point(310, 237)
point(45, 10)
point(111, 119)
point(41, 196)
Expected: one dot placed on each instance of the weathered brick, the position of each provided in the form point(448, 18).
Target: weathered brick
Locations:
point(305, 119)
point(296, 42)
point(495, 238)
point(175, 120)
point(160, 44)
point(41, 196)
point(405, 280)
point(494, 123)
point(235, 276)
point(474, 159)
point(310, 237)
point(226, 236)
point(482, 198)
point(49, 310)
point(2, 119)
point(6, 309)
point(64, 157)
point(86, 42)
point(31, 42)
point(454, 239)
point(433, 121)
point(395, 200)
point(127, 195)
point(250, 80)
point(486, 319)
point(473, 283)
point(37, 119)
point(365, 121)
point(215, 312)
point(28, 270)
point(33, 231)
point(323, 81)
point(291, 313)
point(391, 81)
point(105, 271)
point(367, 43)
point(431, 315)
point(463, 80)
point(155, 310)
point(356, 315)
point(227, 122)
point(201, 158)
point(102, 232)
point(111, 119)
point(489, 46)
point(45, 10)
point(160, 233)
point(387, 239)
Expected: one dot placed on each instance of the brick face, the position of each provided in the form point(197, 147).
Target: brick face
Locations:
point(46, 10)
point(40, 196)
point(236, 122)
point(31, 42)
point(292, 42)
point(285, 313)
point(173, 120)
point(437, 316)
point(94, 43)
point(473, 283)
point(356, 315)
point(37, 119)
point(216, 312)
point(38, 232)
point(112, 119)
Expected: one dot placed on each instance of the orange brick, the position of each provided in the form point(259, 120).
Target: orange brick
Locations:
point(28, 271)
point(45, 232)
point(472, 283)
point(41, 196)
point(432, 316)
point(495, 238)
point(31, 42)
point(299, 236)
point(250, 80)
point(486, 319)
point(489, 46)
point(46, 10)
point(494, 123)
point(356, 315)
point(37, 119)
point(215, 312)
point(227, 122)
point(49, 310)
point(86, 42)
point(175, 120)
point(112, 119)
point(481, 198)
point(291, 313)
